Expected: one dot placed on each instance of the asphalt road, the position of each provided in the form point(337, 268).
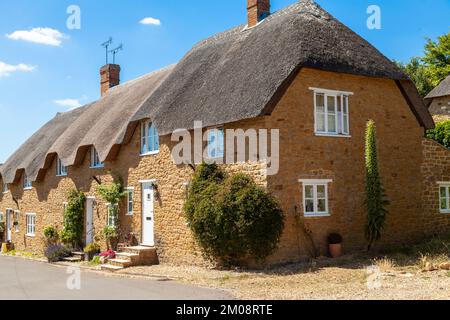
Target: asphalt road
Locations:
point(30, 280)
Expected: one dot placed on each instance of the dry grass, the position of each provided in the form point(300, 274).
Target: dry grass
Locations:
point(399, 275)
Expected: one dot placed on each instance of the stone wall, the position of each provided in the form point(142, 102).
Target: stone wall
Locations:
point(440, 106)
point(435, 168)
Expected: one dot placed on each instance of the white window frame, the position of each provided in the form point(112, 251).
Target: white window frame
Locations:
point(27, 184)
point(95, 160)
point(145, 139)
point(109, 220)
point(130, 201)
point(17, 218)
point(61, 170)
point(5, 188)
point(30, 224)
point(220, 154)
point(340, 97)
point(446, 186)
point(315, 183)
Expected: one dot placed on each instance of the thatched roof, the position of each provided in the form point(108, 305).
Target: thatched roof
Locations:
point(442, 90)
point(235, 75)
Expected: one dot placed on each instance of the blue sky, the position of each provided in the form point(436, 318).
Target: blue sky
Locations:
point(37, 80)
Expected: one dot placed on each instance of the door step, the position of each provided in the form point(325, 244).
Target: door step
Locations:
point(111, 268)
point(72, 259)
point(133, 256)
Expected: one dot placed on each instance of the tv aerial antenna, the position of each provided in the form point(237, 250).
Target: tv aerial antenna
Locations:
point(106, 45)
point(116, 51)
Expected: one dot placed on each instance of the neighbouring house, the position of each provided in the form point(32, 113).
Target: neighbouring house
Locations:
point(298, 70)
point(438, 100)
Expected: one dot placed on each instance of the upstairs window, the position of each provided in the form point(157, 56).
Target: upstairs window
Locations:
point(95, 160)
point(5, 188)
point(61, 170)
point(444, 197)
point(216, 143)
point(27, 184)
point(331, 112)
point(149, 138)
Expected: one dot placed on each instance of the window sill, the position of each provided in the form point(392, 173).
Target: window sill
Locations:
point(317, 215)
point(445, 211)
point(30, 188)
point(61, 175)
point(97, 167)
point(129, 214)
point(30, 235)
point(331, 135)
point(152, 153)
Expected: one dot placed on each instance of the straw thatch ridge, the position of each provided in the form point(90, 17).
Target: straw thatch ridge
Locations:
point(235, 75)
point(442, 90)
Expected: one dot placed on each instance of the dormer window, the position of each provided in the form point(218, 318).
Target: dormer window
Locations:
point(95, 160)
point(27, 184)
point(331, 112)
point(61, 170)
point(149, 139)
point(216, 144)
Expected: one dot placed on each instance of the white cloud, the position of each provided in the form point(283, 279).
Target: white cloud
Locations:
point(7, 69)
point(47, 36)
point(150, 21)
point(68, 103)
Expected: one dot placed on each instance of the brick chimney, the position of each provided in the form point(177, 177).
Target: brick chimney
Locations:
point(109, 77)
point(257, 10)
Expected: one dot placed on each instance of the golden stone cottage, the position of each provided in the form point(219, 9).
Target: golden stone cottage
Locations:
point(298, 70)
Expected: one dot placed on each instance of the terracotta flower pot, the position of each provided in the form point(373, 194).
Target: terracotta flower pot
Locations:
point(335, 250)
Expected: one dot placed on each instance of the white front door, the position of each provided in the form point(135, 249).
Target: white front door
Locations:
point(89, 220)
point(147, 214)
point(9, 218)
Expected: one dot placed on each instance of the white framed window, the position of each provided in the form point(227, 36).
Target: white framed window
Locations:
point(27, 184)
point(149, 139)
point(5, 188)
point(31, 224)
point(130, 202)
point(61, 170)
point(95, 160)
point(315, 197)
point(111, 217)
point(331, 112)
point(17, 221)
point(216, 143)
point(1, 217)
point(444, 197)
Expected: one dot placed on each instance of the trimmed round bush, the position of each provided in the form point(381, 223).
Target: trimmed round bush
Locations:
point(232, 218)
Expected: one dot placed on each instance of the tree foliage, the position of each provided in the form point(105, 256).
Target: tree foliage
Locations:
point(74, 219)
point(232, 218)
point(376, 201)
point(429, 71)
point(440, 133)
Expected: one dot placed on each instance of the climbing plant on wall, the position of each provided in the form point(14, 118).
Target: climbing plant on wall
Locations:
point(74, 219)
point(376, 200)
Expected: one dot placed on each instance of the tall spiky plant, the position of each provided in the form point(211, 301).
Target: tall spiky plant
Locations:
point(376, 200)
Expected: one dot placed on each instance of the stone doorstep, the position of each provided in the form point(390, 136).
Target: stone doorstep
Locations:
point(120, 263)
point(72, 259)
point(111, 268)
point(128, 256)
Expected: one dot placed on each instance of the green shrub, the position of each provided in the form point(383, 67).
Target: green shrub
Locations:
point(57, 252)
point(232, 218)
point(73, 219)
point(441, 133)
point(92, 248)
point(51, 235)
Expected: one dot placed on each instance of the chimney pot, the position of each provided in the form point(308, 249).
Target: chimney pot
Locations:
point(257, 11)
point(109, 77)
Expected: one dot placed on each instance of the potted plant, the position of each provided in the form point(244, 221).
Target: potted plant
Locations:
point(91, 250)
point(111, 237)
point(335, 245)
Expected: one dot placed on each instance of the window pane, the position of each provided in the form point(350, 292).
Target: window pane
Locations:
point(331, 104)
point(321, 205)
point(320, 119)
point(309, 192)
point(443, 192)
point(320, 191)
point(331, 123)
point(443, 204)
point(320, 101)
point(309, 205)
point(346, 130)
